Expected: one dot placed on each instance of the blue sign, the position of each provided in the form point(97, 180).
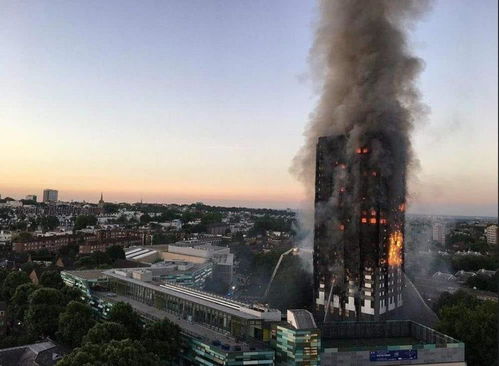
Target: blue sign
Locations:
point(393, 355)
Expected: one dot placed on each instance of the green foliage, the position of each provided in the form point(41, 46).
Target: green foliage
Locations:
point(96, 259)
point(22, 237)
point(28, 267)
point(162, 338)
point(51, 279)
point(122, 220)
point(124, 314)
point(484, 283)
point(71, 294)
point(82, 221)
point(474, 323)
point(110, 208)
point(75, 322)
point(45, 305)
point(105, 332)
point(117, 353)
point(115, 252)
point(13, 279)
point(459, 297)
point(19, 302)
point(262, 224)
point(49, 223)
point(211, 218)
point(145, 219)
point(3, 275)
point(474, 262)
point(164, 238)
point(19, 225)
point(169, 215)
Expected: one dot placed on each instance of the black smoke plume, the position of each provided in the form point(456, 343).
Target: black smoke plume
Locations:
point(365, 73)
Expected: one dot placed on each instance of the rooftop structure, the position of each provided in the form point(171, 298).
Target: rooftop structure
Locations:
point(388, 343)
point(41, 354)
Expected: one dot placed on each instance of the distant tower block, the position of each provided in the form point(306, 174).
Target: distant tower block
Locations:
point(359, 234)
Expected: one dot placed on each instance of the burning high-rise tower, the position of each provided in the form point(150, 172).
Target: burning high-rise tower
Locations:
point(358, 141)
point(359, 220)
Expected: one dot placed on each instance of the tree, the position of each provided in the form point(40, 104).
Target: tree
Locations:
point(76, 320)
point(115, 252)
point(19, 302)
point(459, 297)
point(117, 353)
point(470, 320)
point(49, 223)
point(145, 218)
point(82, 221)
point(105, 332)
point(45, 305)
point(476, 327)
point(162, 338)
point(23, 236)
point(28, 267)
point(11, 282)
point(484, 283)
point(3, 275)
point(71, 294)
point(124, 314)
point(51, 279)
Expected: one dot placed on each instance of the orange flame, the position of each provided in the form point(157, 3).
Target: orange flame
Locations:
point(395, 242)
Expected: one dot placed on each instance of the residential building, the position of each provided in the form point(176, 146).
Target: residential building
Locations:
point(491, 234)
point(217, 228)
point(358, 258)
point(50, 195)
point(31, 197)
point(88, 243)
point(439, 232)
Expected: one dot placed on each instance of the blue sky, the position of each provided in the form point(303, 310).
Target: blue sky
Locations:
point(207, 100)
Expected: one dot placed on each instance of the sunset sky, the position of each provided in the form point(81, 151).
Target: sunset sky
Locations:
point(195, 100)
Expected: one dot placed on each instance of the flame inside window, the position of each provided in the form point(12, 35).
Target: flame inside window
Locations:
point(364, 220)
point(395, 245)
point(358, 151)
point(365, 150)
point(372, 221)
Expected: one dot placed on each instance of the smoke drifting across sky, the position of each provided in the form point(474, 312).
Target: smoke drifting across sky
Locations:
point(366, 76)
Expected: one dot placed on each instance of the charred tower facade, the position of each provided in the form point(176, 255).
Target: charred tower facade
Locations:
point(359, 221)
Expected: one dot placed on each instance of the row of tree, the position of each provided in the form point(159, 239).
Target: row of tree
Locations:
point(51, 309)
point(473, 322)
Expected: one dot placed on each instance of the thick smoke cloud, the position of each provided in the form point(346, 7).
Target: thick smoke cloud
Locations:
point(365, 75)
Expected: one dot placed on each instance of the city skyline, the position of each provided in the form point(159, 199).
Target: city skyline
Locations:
point(131, 101)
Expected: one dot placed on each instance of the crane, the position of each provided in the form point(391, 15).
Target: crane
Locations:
point(292, 250)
